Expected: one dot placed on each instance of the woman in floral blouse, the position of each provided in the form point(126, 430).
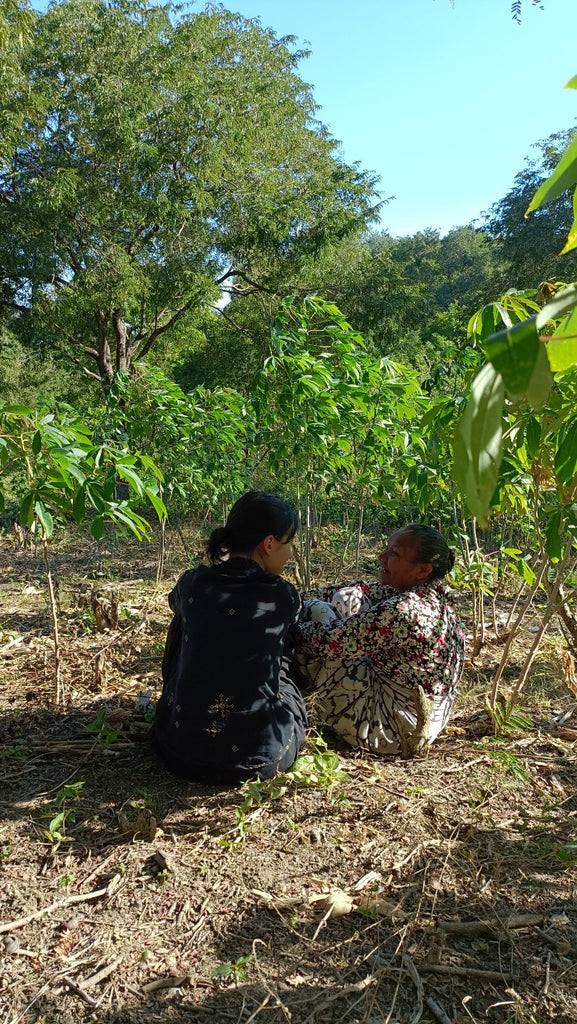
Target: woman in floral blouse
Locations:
point(370, 646)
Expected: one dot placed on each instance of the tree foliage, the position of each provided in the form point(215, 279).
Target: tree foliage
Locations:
point(156, 157)
point(531, 246)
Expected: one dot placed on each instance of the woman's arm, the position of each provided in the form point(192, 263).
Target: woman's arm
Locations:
point(390, 621)
point(373, 592)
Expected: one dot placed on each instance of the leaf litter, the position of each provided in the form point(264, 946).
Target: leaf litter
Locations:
point(436, 889)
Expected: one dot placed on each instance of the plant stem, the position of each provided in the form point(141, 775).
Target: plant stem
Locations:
point(513, 633)
point(58, 690)
point(547, 615)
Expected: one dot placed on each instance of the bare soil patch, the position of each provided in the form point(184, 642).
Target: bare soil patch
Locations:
point(458, 870)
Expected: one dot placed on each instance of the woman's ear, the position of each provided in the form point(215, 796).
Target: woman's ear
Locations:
point(424, 571)
point(265, 546)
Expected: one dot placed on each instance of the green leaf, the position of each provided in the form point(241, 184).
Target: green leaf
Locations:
point(224, 971)
point(514, 354)
point(57, 821)
point(572, 83)
point(562, 349)
point(527, 574)
point(571, 242)
point(79, 505)
point(128, 473)
point(563, 177)
point(561, 304)
point(532, 436)
point(17, 410)
point(477, 450)
point(37, 443)
point(97, 527)
point(27, 509)
point(156, 502)
point(483, 322)
point(541, 381)
point(566, 455)
point(553, 544)
point(45, 519)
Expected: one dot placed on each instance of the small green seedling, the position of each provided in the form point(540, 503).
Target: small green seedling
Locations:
point(105, 735)
point(321, 769)
point(236, 971)
point(56, 834)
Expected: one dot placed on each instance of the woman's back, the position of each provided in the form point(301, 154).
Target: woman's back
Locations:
point(221, 707)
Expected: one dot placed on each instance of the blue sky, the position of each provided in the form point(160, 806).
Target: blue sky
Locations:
point(443, 100)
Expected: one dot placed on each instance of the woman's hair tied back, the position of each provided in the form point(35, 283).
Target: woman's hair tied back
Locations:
point(432, 548)
point(256, 515)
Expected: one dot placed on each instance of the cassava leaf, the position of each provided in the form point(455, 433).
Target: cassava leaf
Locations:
point(562, 349)
point(566, 455)
point(563, 177)
point(513, 353)
point(477, 443)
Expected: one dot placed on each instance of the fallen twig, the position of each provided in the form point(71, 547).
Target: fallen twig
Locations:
point(438, 1011)
point(78, 989)
point(495, 925)
point(99, 868)
point(463, 972)
point(414, 976)
point(169, 982)
point(82, 897)
point(272, 994)
point(103, 973)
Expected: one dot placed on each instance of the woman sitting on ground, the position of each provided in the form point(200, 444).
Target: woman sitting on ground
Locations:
point(385, 658)
point(230, 708)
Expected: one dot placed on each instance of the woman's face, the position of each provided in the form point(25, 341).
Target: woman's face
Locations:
point(398, 563)
point(277, 554)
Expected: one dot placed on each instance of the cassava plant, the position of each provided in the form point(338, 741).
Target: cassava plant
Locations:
point(61, 476)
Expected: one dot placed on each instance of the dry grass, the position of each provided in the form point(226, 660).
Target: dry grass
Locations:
point(137, 921)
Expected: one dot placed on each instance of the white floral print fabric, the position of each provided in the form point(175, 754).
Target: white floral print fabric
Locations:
point(365, 668)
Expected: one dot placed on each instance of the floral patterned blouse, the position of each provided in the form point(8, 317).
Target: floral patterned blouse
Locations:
point(412, 638)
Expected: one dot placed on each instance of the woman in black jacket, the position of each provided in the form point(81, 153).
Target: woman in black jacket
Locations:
point(230, 708)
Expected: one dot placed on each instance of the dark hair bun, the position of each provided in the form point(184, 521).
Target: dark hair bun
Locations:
point(256, 515)
point(216, 545)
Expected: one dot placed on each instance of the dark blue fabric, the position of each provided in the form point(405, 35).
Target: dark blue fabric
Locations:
point(221, 715)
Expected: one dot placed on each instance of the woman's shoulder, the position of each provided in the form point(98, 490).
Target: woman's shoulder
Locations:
point(289, 590)
point(434, 596)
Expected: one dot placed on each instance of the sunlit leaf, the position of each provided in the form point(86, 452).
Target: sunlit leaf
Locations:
point(17, 410)
point(156, 502)
point(45, 519)
point(560, 305)
point(566, 455)
point(477, 444)
point(513, 353)
point(571, 242)
point(563, 177)
point(541, 381)
point(562, 349)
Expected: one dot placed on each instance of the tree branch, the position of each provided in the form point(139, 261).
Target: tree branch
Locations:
point(156, 332)
point(240, 273)
point(229, 320)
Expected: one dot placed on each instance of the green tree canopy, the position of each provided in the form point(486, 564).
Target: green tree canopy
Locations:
point(530, 246)
point(160, 157)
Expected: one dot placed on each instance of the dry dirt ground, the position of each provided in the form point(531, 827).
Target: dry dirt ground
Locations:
point(439, 889)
